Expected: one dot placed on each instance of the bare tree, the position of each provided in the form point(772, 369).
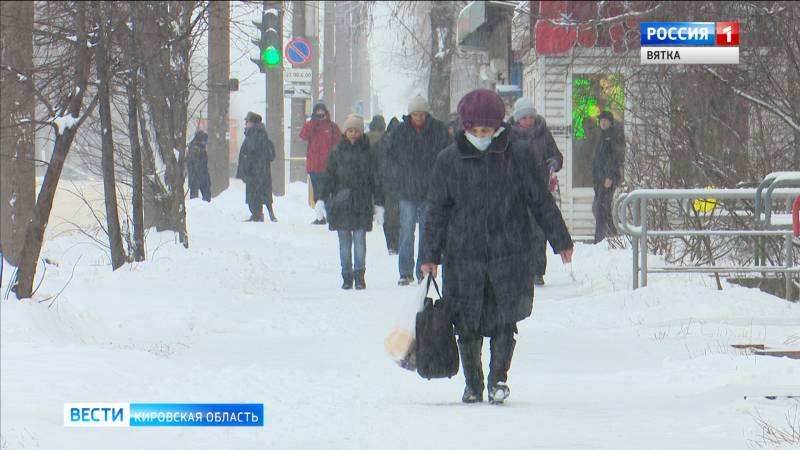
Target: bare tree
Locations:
point(104, 23)
point(442, 20)
point(164, 52)
point(17, 171)
point(62, 90)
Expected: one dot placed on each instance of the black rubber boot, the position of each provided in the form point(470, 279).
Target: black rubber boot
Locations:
point(347, 281)
point(469, 349)
point(361, 283)
point(502, 350)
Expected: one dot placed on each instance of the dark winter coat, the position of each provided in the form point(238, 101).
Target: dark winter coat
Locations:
point(321, 135)
point(375, 136)
point(411, 156)
point(377, 142)
point(351, 186)
point(479, 219)
point(255, 158)
point(197, 163)
point(542, 145)
point(609, 155)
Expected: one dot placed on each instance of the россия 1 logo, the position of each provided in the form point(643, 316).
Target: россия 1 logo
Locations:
point(689, 42)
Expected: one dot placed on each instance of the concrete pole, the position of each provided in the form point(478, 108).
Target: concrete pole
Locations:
point(219, 58)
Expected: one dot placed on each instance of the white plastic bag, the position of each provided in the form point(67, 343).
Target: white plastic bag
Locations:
point(399, 342)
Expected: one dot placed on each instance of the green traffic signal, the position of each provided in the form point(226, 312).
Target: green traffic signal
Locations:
point(271, 57)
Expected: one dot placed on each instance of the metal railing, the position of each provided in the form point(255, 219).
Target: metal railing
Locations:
point(631, 214)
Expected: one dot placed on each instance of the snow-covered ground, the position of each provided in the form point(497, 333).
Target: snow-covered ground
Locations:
point(253, 313)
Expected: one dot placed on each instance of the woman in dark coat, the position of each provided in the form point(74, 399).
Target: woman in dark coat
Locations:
point(351, 196)
point(197, 167)
point(530, 126)
point(483, 187)
point(255, 159)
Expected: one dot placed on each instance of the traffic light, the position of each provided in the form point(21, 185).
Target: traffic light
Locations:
point(269, 44)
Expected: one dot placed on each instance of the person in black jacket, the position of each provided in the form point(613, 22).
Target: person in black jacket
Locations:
point(379, 140)
point(532, 127)
point(351, 197)
point(609, 154)
point(197, 166)
point(255, 158)
point(482, 190)
point(413, 148)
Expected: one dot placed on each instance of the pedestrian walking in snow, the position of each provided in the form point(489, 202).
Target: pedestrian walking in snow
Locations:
point(351, 197)
point(255, 159)
point(197, 167)
point(379, 141)
point(531, 127)
point(413, 149)
point(482, 189)
point(609, 155)
point(322, 135)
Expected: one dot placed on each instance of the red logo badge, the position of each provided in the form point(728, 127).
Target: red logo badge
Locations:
point(728, 33)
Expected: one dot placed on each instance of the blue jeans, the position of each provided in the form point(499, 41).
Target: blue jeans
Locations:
point(316, 183)
point(411, 213)
point(349, 240)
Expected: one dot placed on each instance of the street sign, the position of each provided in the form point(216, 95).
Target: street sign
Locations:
point(298, 52)
point(297, 76)
point(297, 90)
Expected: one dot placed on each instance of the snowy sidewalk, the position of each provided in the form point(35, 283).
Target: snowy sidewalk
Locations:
point(253, 313)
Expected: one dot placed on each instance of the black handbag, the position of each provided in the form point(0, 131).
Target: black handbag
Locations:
point(436, 351)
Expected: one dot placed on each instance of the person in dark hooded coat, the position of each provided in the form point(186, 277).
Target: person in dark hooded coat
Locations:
point(391, 223)
point(255, 158)
point(197, 167)
point(351, 196)
point(379, 141)
point(609, 155)
point(532, 127)
point(482, 189)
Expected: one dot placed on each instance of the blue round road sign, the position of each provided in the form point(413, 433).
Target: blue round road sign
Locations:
point(298, 52)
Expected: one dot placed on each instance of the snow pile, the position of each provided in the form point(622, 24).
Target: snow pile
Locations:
point(252, 312)
point(63, 123)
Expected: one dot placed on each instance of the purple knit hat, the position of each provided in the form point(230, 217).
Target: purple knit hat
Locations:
point(481, 108)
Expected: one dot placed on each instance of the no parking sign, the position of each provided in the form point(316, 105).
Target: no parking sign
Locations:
point(298, 52)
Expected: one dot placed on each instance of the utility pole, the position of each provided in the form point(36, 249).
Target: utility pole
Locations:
point(344, 60)
point(361, 68)
point(219, 58)
point(297, 168)
point(327, 56)
point(312, 34)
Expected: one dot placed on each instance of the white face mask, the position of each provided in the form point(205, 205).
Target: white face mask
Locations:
point(482, 143)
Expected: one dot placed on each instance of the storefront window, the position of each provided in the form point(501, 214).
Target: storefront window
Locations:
point(591, 94)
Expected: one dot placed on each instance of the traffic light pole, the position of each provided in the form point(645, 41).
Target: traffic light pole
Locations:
point(297, 168)
point(273, 116)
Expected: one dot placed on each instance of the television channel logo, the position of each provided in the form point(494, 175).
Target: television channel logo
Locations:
point(689, 42)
